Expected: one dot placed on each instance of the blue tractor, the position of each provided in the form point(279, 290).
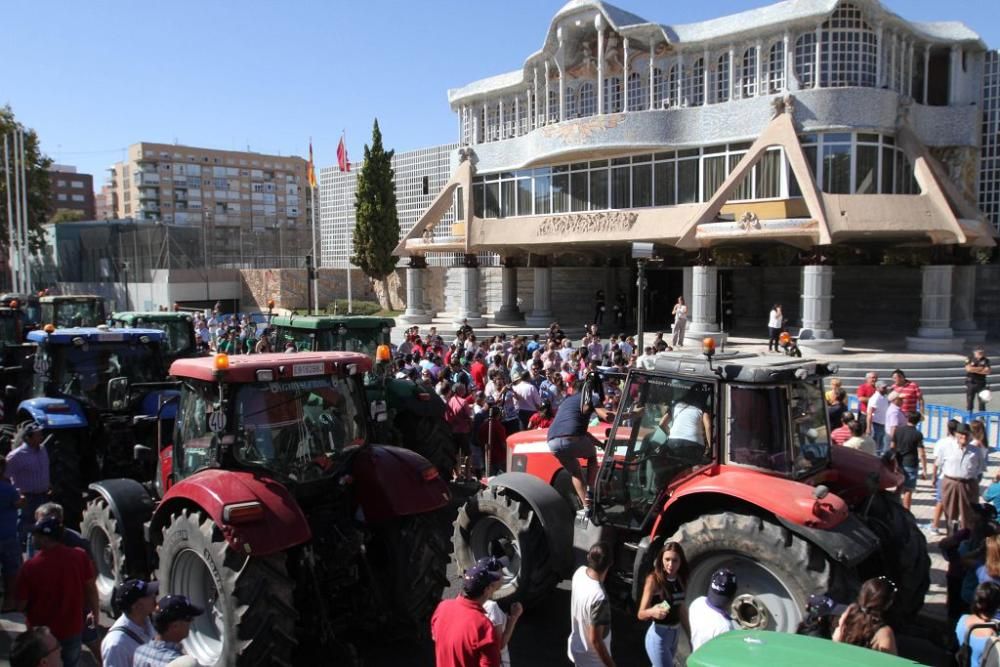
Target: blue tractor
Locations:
point(101, 395)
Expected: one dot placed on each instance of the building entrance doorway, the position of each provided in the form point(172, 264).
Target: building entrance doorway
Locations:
point(663, 286)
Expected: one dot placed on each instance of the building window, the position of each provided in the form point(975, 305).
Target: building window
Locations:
point(553, 106)
point(425, 185)
point(659, 88)
point(493, 122)
point(672, 88)
point(805, 59)
point(60, 184)
point(776, 67)
point(522, 115)
point(76, 184)
point(848, 49)
point(61, 197)
point(722, 78)
point(612, 94)
point(748, 73)
point(636, 92)
point(694, 84)
point(508, 118)
point(570, 103)
point(588, 100)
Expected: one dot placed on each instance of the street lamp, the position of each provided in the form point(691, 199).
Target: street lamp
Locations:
point(641, 252)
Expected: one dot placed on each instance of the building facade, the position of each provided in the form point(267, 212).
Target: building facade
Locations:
point(253, 210)
point(72, 191)
point(104, 203)
point(989, 169)
point(803, 134)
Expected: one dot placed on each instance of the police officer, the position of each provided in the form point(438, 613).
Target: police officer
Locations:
point(977, 370)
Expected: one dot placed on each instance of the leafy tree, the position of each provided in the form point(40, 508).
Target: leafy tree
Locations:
point(376, 232)
point(67, 215)
point(39, 198)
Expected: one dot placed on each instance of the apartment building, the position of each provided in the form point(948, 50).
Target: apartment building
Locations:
point(71, 190)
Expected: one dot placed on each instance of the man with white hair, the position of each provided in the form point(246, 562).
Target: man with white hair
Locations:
point(878, 405)
point(894, 415)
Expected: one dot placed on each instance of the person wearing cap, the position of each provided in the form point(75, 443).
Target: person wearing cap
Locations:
point(28, 470)
point(57, 587)
point(172, 622)
point(822, 615)
point(463, 635)
point(960, 465)
point(589, 643)
point(907, 444)
point(895, 416)
point(136, 599)
point(878, 405)
point(709, 615)
point(527, 400)
point(36, 647)
point(503, 622)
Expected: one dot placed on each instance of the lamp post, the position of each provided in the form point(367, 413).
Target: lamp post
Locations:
point(641, 252)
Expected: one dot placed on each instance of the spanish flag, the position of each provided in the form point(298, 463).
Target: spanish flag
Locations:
point(312, 169)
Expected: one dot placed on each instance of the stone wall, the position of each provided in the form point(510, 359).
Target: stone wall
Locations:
point(987, 306)
point(288, 287)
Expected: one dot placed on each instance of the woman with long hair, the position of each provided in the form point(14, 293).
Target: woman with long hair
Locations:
point(663, 603)
point(864, 622)
point(990, 570)
point(985, 606)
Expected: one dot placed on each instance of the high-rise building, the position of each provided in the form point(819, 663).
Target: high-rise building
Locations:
point(989, 165)
point(104, 203)
point(253, 208)
point(71, 190)
point(419, 176)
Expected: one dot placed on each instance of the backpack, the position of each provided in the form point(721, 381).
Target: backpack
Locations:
point(963, 657)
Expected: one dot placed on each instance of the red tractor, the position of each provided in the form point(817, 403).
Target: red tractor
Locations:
point(733, 460)
point(272, 510)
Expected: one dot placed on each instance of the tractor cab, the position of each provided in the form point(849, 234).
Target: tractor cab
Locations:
point(29, 307)
point(75, 310)
point(347, 333)
point(179, 341)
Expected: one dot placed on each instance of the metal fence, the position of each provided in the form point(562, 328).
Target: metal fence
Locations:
point(935, 421)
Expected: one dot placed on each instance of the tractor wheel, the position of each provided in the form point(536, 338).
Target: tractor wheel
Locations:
point(502, 518)
point(431, 438)
point(410, 557)
point(100, 528)
point(776, 571)
point(904, 556)
point(67, 476)
point(249, 618)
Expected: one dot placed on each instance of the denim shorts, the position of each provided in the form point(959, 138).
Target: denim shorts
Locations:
point(10, 556)
point(910, 483)
point(573, 447)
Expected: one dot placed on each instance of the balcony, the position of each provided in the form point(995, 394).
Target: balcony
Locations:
point(143, 178)
point(149, 194)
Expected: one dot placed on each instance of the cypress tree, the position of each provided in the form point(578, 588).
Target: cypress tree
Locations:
point(376, 231)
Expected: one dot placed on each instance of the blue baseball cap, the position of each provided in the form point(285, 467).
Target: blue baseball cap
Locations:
point(478, 577)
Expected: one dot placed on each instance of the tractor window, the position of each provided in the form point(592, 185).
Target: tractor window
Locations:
point(303, 340)
point(810, 435)
point(194, 442)
point(364, 341)
point(295, 427)
point(63, 314)
point(83, 371)
point(177, 336)
point(665, 430)
point(758, 428)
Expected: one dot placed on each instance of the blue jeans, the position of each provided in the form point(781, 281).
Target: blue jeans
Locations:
point(661, 644)
point(878, 435)
point(71, 651)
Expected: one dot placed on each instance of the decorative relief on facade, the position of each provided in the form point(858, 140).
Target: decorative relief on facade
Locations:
point(587, 223)
point(783, 104)
point(960, 163)
point(749, 221)
point(582, 128)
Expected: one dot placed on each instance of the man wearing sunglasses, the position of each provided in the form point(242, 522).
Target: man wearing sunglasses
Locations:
point(172, 621)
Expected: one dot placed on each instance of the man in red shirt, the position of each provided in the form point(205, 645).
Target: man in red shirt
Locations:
point(463, 635)
point(57, 587)
point(842, 434)
point(478, 372)
point(865, 391)
point(913, 398)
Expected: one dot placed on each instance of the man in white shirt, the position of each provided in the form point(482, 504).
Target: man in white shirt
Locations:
point(136, 599)
point(709, 614)
point(589, 642)
point(878, 405)
point(527, 400)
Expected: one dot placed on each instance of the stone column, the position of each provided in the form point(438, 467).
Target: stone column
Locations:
point(599, 26)
point(963, 302)
point(541, 309)
point(935, 333)
point(415, 312)
point(508, 312)
point(466, 279)
point(816, 334)
point(652, 65)
point(703, 320)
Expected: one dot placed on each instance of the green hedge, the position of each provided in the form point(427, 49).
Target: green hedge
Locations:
point(339, 306)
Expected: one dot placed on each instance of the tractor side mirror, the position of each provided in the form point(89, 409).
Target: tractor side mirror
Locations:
point(141, 452)
point(378, 411)
point(118, 393)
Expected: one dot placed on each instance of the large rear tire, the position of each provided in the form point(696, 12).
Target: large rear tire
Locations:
point(903, 556)
point(431, 438)
point(494, 515)
point(249, 617)
point(100, 528)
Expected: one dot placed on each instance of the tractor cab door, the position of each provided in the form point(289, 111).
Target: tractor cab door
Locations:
point(664, 431)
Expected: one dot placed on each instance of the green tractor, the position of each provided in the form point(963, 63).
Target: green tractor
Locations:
point(413, 414)
point(179, 339)
point(73, 310)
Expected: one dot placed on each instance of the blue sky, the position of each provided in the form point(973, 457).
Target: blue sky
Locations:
point(94, 76)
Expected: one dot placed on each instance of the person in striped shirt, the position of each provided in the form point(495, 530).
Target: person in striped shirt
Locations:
point(913, 398)
point(28, 471)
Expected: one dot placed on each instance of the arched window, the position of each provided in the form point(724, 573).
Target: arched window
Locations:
point(748, 73)
point(570, 103)
point(493, 122)
point(694, 84)
point(659, 88)
point(848, 49)
point(612, 94)
point(673, 93)
point(637, 97)
point(722, 78)
point(588, 100)
point(805, 59)
point(553, 106)
point(522, 115)
point(776, 67)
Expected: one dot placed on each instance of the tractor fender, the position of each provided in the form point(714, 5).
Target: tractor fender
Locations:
point(131, 505)
point(391, 482)
point(54, 413)
point(282, 526)
point(151, 403)
point(405, 396)
point(552, 511)
point(849, 542)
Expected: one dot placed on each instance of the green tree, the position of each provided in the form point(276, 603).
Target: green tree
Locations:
point(39, 198)
point(376, 232)
point(67, 215)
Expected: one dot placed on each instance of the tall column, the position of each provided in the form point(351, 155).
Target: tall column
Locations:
point(963, 304)
point(819, 56)
point(707, 78)
point(415, 312)
point(927, 70)
point(955, 63)
point(537, 121)
point(560, 61)
point(879, 48)
point(466, 280)
point(652, 64)
point(909, 61)
point(548, 100)
point(891, 78)
point(508, 313)
point(789, 63)
point(681, 100)
point(732, 73)
point(817, 301)
point(704, 319)
point(935, 333)
point(759, 70)
point(625, 66)
point(541, 308)
point(500, 119)
point(599, 26)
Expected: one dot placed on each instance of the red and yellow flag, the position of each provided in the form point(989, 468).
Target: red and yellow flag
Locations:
point(312, 169)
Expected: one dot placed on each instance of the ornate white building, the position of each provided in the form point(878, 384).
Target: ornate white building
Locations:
point(802, 125)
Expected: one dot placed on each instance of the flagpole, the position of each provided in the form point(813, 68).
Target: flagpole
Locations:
point(24, 220)
point(10, 213)
point(314, 283)
point(19, 284)
point(350, 238)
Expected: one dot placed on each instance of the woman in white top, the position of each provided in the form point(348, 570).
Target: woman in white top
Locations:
point(775, 321)
point(680, 321)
